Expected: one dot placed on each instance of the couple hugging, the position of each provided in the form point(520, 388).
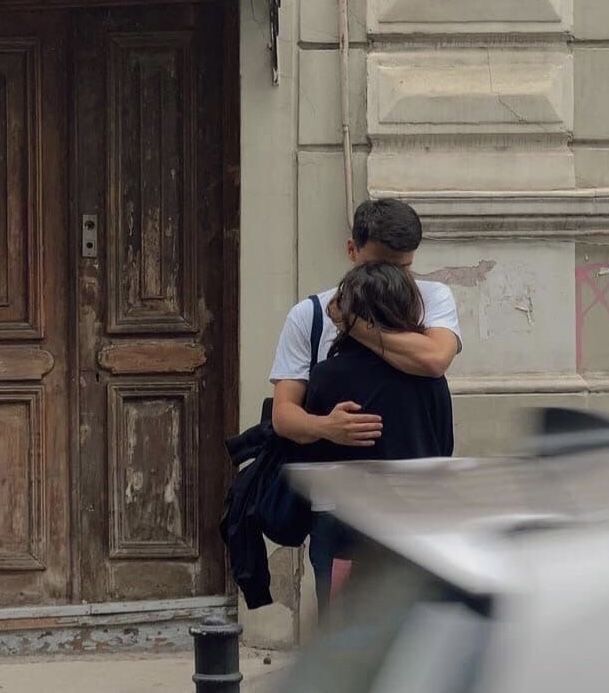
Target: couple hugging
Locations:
point(375, 389)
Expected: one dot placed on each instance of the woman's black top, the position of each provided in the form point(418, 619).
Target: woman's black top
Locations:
point(416, 411)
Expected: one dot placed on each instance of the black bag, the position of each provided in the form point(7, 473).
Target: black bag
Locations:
point(285, 516)
point(317, 327)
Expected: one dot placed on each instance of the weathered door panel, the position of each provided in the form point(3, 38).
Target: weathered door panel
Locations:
point(34, 414)
point(148, 162)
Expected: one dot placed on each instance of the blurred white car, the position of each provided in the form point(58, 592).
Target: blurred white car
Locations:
point(474, 576)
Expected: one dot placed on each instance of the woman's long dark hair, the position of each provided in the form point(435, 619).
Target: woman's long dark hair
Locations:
point(385, 296)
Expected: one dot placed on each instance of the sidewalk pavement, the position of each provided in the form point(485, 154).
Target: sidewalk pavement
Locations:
point(136, 673)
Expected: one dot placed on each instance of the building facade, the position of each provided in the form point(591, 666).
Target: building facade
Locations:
point(165, 198)
point(490, 118)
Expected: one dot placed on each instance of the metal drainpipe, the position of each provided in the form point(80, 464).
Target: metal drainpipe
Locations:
point(343, 38)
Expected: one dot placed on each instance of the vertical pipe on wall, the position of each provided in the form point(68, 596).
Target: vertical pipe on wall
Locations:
point(343, 38)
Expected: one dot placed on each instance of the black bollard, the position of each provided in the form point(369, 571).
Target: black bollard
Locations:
point(217, 656)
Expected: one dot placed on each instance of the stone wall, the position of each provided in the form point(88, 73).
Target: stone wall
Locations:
point(491, 118)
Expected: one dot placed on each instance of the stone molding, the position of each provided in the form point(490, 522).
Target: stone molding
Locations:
point(541, 383)
point(465, 16)
point(492, 90)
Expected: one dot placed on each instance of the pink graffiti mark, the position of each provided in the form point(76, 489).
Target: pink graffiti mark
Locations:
point(587, 275)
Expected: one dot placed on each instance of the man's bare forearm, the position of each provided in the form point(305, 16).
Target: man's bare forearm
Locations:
point(409, 352)
point(291, 421)
point(344, 425)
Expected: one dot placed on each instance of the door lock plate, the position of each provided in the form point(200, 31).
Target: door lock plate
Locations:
point(89, 235)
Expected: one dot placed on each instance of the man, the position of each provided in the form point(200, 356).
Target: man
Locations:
point(416, 411)
point(385, 230)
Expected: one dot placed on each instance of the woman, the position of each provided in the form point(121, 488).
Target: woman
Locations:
point(416, 411)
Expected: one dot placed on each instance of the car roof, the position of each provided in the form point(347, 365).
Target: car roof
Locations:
point(461, 517)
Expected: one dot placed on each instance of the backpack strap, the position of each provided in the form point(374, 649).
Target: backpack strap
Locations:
point(317, 327)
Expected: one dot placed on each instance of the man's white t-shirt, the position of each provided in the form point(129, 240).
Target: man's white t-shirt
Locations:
point(293, 356)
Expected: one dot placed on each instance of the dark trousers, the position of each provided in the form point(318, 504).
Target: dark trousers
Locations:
point(329, 539)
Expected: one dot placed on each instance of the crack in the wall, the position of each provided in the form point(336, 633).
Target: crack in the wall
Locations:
point(500, 98)
point(528, 310)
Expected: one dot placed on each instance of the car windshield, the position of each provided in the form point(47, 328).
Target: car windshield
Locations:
point(396, 628)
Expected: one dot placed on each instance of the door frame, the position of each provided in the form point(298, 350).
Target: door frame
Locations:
point(231, 200)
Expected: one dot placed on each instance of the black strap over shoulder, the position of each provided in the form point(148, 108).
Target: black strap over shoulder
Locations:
point(317, 327)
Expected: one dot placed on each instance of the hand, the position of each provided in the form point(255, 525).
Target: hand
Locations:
point(345, 426)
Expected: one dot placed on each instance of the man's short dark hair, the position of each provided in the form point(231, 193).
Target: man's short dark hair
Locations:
point(388, 221)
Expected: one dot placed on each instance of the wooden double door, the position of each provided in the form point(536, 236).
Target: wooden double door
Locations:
point(118, 299)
